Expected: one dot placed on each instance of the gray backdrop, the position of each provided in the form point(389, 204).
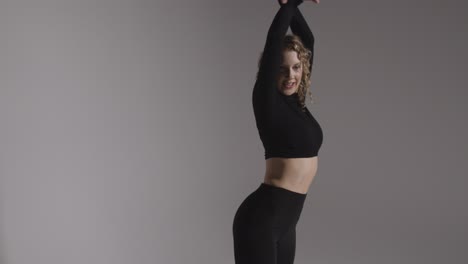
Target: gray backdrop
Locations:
point(128, 136)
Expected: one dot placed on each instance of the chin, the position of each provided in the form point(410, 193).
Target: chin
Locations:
point(288, 92)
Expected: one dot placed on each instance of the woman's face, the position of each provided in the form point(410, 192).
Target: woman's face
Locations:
point(290, 71)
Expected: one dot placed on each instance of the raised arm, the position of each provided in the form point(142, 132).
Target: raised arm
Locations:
point(299, 27)
point(269, 68)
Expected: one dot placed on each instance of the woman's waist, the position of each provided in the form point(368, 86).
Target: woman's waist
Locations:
point(295, 174)
point(299, 166)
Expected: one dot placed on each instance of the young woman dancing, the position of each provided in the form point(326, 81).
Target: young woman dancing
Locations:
point(264, 226)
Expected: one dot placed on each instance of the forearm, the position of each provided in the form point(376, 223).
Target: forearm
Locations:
point(271, 58)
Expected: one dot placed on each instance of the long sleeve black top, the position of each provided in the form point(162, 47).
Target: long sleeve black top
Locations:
point(285, 130)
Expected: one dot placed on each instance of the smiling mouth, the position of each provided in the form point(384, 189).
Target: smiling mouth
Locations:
point(286, 86)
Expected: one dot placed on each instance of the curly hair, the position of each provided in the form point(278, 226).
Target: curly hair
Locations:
point(293, 42)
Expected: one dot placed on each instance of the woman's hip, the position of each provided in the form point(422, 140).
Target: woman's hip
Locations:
point(269, 207)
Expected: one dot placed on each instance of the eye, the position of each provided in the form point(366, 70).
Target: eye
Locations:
point(296, 67)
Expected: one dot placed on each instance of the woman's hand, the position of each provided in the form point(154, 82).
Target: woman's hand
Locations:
point(285, 1)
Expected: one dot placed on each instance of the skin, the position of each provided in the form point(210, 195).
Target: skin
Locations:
point(290, 70)
point(294, 174)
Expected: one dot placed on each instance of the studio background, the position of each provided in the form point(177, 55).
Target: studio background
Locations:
point(127, 131)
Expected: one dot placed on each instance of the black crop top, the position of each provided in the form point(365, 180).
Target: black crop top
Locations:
point(285, 130)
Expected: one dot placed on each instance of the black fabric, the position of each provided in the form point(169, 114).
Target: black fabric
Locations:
point(264, 226)
point(285, 129)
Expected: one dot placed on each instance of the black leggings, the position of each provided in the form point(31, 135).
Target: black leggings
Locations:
point(264, 226)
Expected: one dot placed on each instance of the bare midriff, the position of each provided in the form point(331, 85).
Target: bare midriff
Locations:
point(294, 174)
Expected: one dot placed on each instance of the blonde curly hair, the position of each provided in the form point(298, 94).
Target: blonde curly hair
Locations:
point(293, 42)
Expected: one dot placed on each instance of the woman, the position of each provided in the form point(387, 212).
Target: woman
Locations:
point(264, 226)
